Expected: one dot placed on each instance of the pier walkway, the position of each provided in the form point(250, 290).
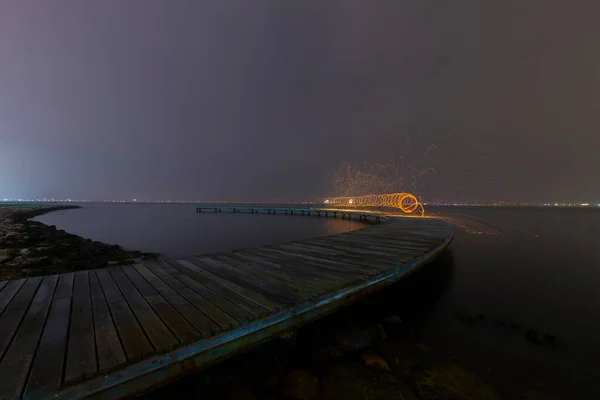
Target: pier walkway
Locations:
point(119, 331)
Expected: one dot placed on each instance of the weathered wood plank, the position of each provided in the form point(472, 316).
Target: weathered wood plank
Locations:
point(224, 320)
point(111, 292)
point(250, 295)
point(176, 323)
point(110, 351)
point(161, 338)
point(264, 285)
point(81, 349)
point(221, 302)
point(253, 308)
point(259, 281)
point(15, 365)
point(263, 269)
point(48, 365)
point(11, 289)
point(206, 326)
point(134, 340)
point(14, 312)
point(298, 273)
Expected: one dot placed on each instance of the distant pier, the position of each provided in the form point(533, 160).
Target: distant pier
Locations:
point(120, 331)
point(319, 212)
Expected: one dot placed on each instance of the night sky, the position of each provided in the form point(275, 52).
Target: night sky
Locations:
point(262, 100)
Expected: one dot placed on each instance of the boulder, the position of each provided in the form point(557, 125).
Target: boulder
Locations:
point(301, 385)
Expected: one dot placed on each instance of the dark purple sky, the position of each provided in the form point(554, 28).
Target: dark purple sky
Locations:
point(263, 99)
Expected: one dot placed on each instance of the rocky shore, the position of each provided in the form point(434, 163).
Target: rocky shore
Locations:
point(30, 248)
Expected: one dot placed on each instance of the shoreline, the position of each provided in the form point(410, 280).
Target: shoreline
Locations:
point(31, 248)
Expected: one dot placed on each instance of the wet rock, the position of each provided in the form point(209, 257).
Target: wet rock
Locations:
point(11, 235)
point(533, 336)
point(272, 375)
point(353, 381)
point(332, 351)
point(392, 320)
point(452, 382)
point(242, 393)
point(548, 338)
point(24, 251)
point(301, 385)
point(514, 326)
point(376, 362)
point(352, 338)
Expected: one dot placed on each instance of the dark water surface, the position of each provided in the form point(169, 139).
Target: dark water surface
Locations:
point(176, 230)
point(532, 269)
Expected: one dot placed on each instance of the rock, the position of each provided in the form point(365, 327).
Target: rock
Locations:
point(423, 348)
point(376, 333)
point(548, 338)
point(126, 262)
point(332, 351)
point(24, 252)
point(352, 339)
point(301, 385)
point(11, 235)
point(2, 258)
point(452, 382)
point(392, 320)
point(376, 362)
point(533, 336)
point(36, 262)
point(272, 373)
point(242, 393)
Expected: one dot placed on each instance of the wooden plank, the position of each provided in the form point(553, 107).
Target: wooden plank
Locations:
point(262, 269)
point(206, 326)
point(253, 296)
point(11, 288)
point(161, 338)
point(299, 273)
point(334, 268)
point(221, 302)
point(272, 287)
point(3, 284)
point(221, 318)
point(239, 300)
point(134, 340)
point(182, 329)
point(317, 271)
point(357, 261)
point(16, 363)
point(112, 294)
point(81, 349)
point(48, 365)
point(14, 312)
point(110, 351)
point(263, 284)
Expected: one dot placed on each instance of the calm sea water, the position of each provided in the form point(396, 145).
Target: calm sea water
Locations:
point(538, 269)
point(176, 230)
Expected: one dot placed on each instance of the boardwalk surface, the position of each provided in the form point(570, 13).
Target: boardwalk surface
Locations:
point(114, 332)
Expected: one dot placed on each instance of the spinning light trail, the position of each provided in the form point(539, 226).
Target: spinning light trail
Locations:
point(406, 202)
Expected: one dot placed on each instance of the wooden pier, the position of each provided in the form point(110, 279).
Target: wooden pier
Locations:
point(119, 331)
point(318, 212)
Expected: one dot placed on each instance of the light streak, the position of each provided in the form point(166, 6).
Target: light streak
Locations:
point(405, 202)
